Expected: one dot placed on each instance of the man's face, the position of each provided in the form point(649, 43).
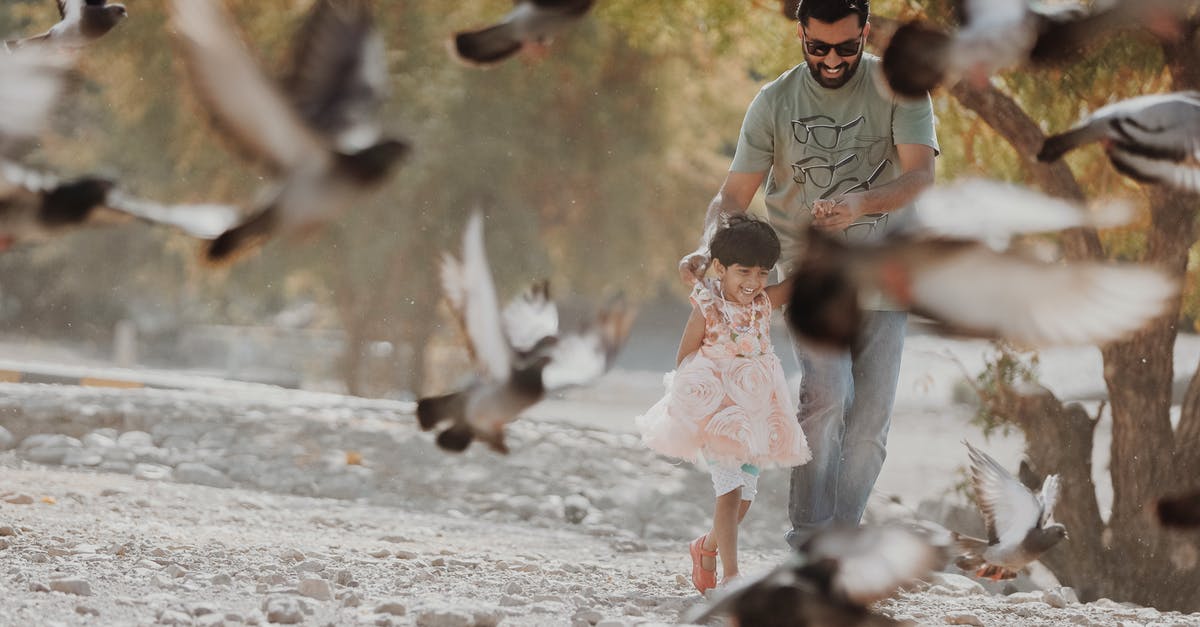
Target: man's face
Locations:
point(833, 50)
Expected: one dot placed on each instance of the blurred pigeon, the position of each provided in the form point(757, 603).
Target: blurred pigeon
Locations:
point(30, 86)
point(82, 22)
point(520, 352)
point(1153, 139)
point(998, 34)
point(1181, 510)
point(35, 206)
point(966, 288)
point(530, 22)
point(831, 580)
point(321, 139)
point(1019, 524)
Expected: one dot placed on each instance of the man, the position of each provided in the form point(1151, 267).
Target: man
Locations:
point(837, 151)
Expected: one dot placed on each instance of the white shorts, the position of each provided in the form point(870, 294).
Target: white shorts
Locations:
point(726, 479)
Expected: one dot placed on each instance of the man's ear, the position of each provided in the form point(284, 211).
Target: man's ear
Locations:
point(719, 268)
point(866, 32)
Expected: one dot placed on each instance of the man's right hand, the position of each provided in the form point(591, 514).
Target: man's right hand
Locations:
point(693, 266)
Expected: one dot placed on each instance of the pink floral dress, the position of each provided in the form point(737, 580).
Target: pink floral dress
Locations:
point(729, 401)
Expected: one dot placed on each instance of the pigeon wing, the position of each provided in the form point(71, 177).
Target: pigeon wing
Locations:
point(1048, 499)
point(873, 562)
point(726, 600)
point(995, 211)
point(203, 221)
point(30, 84)
point(978, 292)
point(338, 79)
point(69, 8)
point(469, 288)
point(249, 109)
point(580, 358)
point(530, 318)
point(1009, 509)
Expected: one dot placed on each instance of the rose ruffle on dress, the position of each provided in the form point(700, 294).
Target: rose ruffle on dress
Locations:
point(729, 401)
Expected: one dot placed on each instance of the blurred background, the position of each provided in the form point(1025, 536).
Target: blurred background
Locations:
point(593, 165)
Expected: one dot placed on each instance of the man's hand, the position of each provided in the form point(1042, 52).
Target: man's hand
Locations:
point(837, 213)
point(693, 266)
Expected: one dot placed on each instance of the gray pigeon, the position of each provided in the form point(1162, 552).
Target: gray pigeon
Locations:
point(35, 206)
point(320, 137)
point(82, 22)
point(944, 273)
point(1180, 510)
point(1020, 525)
point(530, 22)
point(831, 580)
point(995, 35)
point(1153, 139)
point(519, 352)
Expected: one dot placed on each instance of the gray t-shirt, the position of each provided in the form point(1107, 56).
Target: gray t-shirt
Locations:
point(815, 142)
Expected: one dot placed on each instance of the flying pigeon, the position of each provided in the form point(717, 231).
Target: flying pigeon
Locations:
point(831, 580)
point(319, 136)
point(1180, 510)
point(529, 23)
point(82, 22)
point(968, 288)
point(1019, 524)
point(520, 352)
point(36, 206)
point(1153, 139)
point(995, 35)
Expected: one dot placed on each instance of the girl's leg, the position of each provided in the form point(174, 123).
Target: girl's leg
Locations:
point(723, 537)
point(742, 509)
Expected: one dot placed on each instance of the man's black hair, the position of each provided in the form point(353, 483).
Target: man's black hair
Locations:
point(830, 11)
point(747, 241)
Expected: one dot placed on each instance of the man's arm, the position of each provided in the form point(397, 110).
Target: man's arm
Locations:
point(916, 174)
point(734, 197)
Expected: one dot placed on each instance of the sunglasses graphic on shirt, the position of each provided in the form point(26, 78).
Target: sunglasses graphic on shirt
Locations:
point(820, 174)
point(824, 135)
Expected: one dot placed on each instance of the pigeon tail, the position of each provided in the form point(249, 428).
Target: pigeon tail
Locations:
point(436, 409)
point(456, 439)
point(14, 44)
point(1056, 146)
point(490, 45)
point(242, 239)
point(372, 164)
point(971, 550)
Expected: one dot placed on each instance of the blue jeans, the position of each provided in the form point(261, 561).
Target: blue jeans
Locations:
point(845, 410)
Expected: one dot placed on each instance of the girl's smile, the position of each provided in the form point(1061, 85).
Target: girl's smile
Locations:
point(741, 284)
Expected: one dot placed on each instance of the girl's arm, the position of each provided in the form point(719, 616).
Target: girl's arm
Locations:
point(693, 335)
point(781, 292)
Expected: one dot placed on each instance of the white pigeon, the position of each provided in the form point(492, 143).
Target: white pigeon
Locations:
point(81, 22)
point(1153, 139)
point(831, 580)
point(520, 353)
point(530, 22)
point(1020, 525)
point(966, 288)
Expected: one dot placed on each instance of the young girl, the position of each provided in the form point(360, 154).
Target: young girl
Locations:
point(728, 401)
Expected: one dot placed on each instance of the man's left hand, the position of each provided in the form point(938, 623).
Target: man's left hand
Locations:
point(837, 213)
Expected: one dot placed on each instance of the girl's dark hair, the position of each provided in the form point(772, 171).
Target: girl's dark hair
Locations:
point(830, 11)
point(745, 240)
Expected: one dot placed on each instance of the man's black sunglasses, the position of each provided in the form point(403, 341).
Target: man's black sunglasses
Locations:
point(844, 49)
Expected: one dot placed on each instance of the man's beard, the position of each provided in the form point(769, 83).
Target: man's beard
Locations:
point(814, 66)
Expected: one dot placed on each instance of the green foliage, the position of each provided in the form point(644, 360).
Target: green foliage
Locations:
point(1006, 369)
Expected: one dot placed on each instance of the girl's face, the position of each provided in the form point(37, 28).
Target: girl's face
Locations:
point(741, 284)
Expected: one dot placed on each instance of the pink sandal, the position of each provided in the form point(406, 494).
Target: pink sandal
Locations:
point(702, 578)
